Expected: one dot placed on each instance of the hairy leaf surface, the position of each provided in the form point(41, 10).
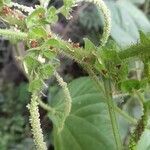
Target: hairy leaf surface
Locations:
point(88, 126)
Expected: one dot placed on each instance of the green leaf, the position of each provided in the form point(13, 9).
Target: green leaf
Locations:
point(1, 3)
point(51, 43)
point(52, 15)
point(35, 85)
point(37, 17)
point(89, 46)
point(144, 39)
point(54, 43)
point(127, 20)
point(138, 1)
point(130, 85)
point(67, 7)
point(124, 32)
point(37, 32)
point(88, 125)
point(137, 15)
point(45, 71)
point(108, 54)
point(48, 54)
point(31, 64)
point(144, 143)
point(7, 1)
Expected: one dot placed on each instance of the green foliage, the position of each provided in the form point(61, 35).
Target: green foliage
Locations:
point(2, 2)
point(36, 18)
point(37, 33)
point(52, 15)
point(35, 85)
point(13, 123)
point(45, 71)
point(89, 46)
point(127, 20)
point(31, 63)
point(92, 117)
point(67, 7)
point(129, 85)
point(126, 32)
point(88, 121)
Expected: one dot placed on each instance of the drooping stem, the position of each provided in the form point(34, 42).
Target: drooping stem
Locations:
point(68, 100)
point(35, 123)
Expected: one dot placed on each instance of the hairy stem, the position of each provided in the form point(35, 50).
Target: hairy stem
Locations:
point(35, 124)
point(46, 107)
point(94, 77)
point(112, 114)
point(110, 104)
point(101, 89)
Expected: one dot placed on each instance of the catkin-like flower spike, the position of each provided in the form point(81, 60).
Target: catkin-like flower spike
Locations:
point(68, 100)
point(35, 124)
point(107, 19)
point(15, 35)
point(22, 7)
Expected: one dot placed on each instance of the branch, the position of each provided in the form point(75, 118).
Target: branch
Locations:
point(135, 51)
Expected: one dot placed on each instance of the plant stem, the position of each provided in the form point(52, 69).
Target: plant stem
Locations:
point(35, 123)
point(141, 98)
point(94, 77)
point(110, 104)
point(46, 107)
point(112, 114)
point(101, 88)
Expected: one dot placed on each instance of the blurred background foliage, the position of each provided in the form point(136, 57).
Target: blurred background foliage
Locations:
point(128, 17)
